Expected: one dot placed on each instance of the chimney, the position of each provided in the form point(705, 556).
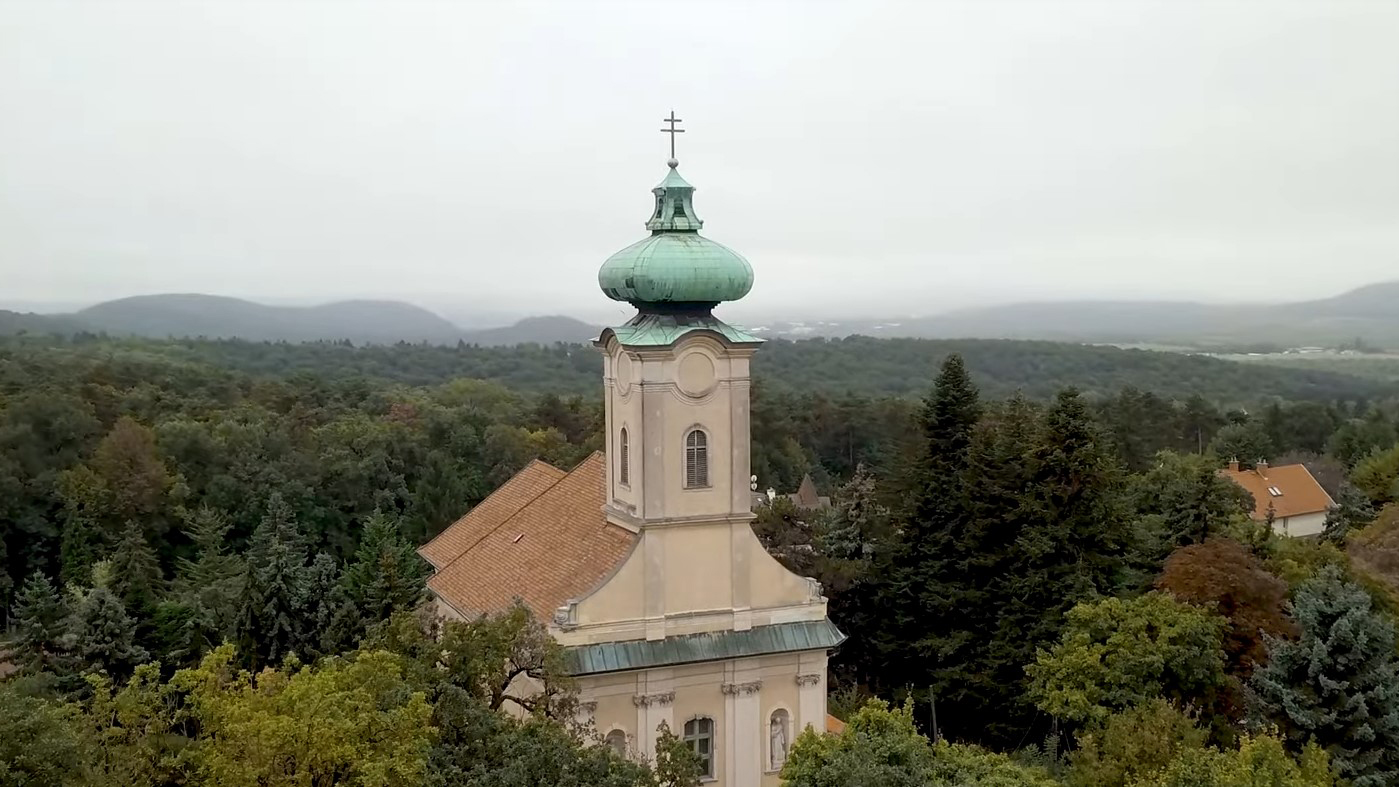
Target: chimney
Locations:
point(1234, 465)
point(1262, 467)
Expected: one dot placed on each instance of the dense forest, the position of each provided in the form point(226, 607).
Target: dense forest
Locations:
point(209, 578)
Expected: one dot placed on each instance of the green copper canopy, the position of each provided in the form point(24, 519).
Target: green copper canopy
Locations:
point(676, 266)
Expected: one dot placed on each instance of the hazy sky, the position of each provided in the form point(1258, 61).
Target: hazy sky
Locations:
point(864, 156)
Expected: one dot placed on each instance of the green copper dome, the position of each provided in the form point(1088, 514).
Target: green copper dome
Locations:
point(676, 267)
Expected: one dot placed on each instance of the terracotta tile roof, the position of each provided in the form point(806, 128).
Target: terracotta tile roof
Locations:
point(834, 725)
point(1300, 493)
point(556, 547)
point(486, 516)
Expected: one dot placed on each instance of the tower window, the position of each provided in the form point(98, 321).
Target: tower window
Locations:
point(679, 211)
point(696, 459)
point(699, 734)
point(623, 459)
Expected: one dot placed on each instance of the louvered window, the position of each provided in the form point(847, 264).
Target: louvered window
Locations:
point(696, 459)
point(699, 733)
point(623, 459)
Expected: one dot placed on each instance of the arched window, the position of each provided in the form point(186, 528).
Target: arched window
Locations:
point(696, 459)
point(617, 739)
point(623, 459)
point(779, 738)
point(699, 734)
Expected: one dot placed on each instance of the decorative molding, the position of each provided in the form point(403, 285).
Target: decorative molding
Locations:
point(588, 707)
point(647, 700)
point(742, 689)
point(809, 679)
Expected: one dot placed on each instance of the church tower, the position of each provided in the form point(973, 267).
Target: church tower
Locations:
point(643, 557)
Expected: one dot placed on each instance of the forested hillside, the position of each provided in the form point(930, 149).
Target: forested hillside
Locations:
point(177, 516)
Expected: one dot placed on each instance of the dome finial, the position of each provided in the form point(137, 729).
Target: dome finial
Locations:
point(672, 131)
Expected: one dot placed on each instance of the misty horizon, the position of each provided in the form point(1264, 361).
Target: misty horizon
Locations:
point(878, 159)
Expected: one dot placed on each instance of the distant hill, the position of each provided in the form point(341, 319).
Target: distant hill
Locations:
point(28, 322)
point(212, 316)
point(535, 330)
point(360, 321)
point(1369, 313)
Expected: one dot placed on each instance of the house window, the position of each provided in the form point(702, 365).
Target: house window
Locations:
point(779, 738)
point(1274, 491)
point(617, 740)
point(696, 459)
point(623, 459)
point(699, 734)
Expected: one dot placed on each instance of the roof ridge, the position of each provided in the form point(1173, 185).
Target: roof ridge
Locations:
point(493, 493)
point(546, 490)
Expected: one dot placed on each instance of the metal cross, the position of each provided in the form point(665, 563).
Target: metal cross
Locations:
point(672, 131)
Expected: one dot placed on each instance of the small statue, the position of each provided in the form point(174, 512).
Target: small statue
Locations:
point(777, 740)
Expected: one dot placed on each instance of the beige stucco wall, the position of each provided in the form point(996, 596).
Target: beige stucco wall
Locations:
point(1303, 525)
point(739, 695)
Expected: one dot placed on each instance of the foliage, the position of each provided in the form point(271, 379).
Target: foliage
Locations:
point(39, 643)
point(881, 746)
point(104, 635)
point(1115, 654)
point(1131, 744)
point(1224, 576)
point(1258, 762)
point(39, 741)
point(350, 721)
point(1377, 475)
point(677, 764)
point(386, 576)
point(1351, 512)
point(1338, 684)
point(1246, 442)
point(1183, 500)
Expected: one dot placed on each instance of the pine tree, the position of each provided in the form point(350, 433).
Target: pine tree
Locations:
point(926, 585)
point(387, 575)
point(136, 575)
point(333, 622)
point(211, 583)
point(40, 619)
point(104, 634)
point(1338, 684)
point(1351, 512)
point(276, 590)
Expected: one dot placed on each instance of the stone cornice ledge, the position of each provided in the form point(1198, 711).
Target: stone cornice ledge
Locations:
point(647, 700)
point(809, 679)
point(742, 689)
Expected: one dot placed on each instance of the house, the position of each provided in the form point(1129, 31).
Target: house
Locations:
point(1297, 502)
point(807, 497)
point(642, 559)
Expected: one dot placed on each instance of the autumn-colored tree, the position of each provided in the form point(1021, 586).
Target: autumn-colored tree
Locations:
point(1224, 576)
point(348, 721)
point(131, 469)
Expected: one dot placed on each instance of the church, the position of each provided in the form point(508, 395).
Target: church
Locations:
point(642, 558)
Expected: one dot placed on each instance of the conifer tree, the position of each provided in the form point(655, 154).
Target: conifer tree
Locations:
point(333, 622)
point(136, 575)
point(276, 587)
point(104, 634)
point(1338, 684)
point(40, 619)
point(1351, 512)
point(387, 575)
point(211, 582)
point(927, 584)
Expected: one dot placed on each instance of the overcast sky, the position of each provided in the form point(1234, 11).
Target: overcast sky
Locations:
point(864, 156)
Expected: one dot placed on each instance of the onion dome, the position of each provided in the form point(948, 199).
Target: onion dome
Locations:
point(676, 269)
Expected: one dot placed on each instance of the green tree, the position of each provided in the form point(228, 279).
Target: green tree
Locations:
point(1351, 512)
point(349, 721)
point(1116, 653)
point(1183, 500)
point(881, 746)
point(104, 634)
point(1132, 744)
point(1377, 475)
point(677, 764)
point(386, 575)
point(135, 731)
point(136, 576)
point(39, 741)
point(40, 618)
point(210, 583)
point(1258, 762)
point(1246, 442)
point(276, 587)
point(1338, 684)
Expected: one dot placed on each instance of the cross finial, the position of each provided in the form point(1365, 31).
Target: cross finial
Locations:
point(672, 131)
